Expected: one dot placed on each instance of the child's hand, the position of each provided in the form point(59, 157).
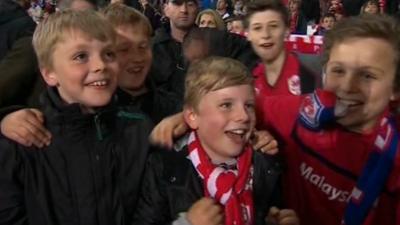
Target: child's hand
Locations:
point(25, 126)
point(263, 141)
point(169, 128)
point(282, 216)
point(205, 211)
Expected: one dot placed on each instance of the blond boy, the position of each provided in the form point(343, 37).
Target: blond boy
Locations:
point(90, 172)
point(214, 175)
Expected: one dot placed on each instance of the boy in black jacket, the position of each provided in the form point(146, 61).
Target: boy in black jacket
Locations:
point(214, 176)
point(91, 171)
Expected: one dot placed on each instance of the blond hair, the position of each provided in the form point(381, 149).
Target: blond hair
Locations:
point(211, 74)
point(219, 22)
point(52, 31)
point(119, 14)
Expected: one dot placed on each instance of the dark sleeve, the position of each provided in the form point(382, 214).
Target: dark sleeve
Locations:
point(166, 104)
point(152, 207)
point(9, 109)
point(19, 71)
point(12, 204)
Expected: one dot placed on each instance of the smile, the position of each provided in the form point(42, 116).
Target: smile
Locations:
point(99, 83)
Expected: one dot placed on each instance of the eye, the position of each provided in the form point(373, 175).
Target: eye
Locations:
point(226, 105)
point(336, 71)
point(368, 76)
point(109, 55)
point(256, 28)
point(250, 105)
point(81, 57)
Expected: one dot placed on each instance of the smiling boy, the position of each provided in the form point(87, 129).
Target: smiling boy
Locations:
point(214, 176)
point(90, 173)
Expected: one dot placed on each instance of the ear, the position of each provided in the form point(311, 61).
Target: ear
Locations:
point(49, 76)
point(191, 117)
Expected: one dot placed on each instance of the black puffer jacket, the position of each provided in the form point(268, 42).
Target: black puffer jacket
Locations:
point(90, 173)
point(171, 185)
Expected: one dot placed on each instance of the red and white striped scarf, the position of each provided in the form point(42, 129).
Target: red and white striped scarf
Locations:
point(232, 188)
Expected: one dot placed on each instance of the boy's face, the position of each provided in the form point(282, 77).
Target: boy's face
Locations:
point(361, 73)
point(237, 26)
point(224, 120)
point(294, 5)
point(134, 55)
point(181, 13)
point(266, 33)
point(328, 23)
point(195, 50)
point(84, 70)
point(207, 20)
point(221, 4)
point(371, 8)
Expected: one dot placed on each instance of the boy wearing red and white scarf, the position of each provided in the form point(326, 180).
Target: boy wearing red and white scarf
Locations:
point(214, 176)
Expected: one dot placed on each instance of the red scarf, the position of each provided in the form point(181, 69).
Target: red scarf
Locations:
point(232, 188)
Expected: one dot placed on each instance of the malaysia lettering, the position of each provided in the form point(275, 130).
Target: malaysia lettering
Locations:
point(332, 192)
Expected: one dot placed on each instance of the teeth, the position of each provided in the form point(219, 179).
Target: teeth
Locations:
point(98, 83)
point(238, 132)
point(349, 102)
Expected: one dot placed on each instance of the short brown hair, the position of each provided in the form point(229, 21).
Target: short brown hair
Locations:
point(264, 5)
point(119, 14)
point(211, 74)
point(52, 31)
point(365, 26)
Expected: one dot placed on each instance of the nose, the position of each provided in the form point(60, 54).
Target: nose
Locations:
point(98, 63)
point(242, 114)
point(266, 33)
point(349, 83)
point(183, 8)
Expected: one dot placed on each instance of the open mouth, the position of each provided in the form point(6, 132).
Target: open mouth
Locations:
point(136, 69)
point(267, 45)
point(343, 106)
point(238, 135)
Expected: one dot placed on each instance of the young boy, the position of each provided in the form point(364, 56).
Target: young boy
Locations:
point(327, 23)
point(136, 89)
point(135, 56)
point(342, 153)
point(91, 171)
point(214, 175)
point(279, 71)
